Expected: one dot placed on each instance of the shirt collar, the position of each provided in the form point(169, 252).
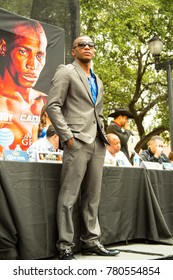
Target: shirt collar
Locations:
point(117, 124)
point(92, 73)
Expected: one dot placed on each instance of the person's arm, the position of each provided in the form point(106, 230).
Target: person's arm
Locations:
point(164, 158)
point(69, 143)
point(124, 136)
point(126, 160)
point(34, 133)
point(146, 156)
point(127, 125)
point(56, 98)
point(31, 152)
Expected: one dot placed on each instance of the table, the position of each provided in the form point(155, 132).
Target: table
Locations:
point(162, 184)
point(129, 207)
point(132, 206)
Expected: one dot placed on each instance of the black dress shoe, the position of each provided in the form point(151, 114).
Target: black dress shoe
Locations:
point(99, 250)
point(66, 254)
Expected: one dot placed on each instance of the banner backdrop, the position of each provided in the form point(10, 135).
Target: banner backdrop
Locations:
point(30, 52)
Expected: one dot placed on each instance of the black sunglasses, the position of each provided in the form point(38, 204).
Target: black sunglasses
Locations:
point(84, 44)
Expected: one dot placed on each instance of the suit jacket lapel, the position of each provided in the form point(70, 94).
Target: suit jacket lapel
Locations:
point(83, 78)
point(99, 91)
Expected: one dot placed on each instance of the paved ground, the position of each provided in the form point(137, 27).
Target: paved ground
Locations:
point(135, 251)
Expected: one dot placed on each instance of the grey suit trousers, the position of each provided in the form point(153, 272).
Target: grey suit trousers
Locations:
point(82, 161)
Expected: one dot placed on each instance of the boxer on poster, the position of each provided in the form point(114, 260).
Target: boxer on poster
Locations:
point(30, 52)
point(23, 56)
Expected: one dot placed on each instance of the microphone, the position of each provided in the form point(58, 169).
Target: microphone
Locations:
point(133, 152)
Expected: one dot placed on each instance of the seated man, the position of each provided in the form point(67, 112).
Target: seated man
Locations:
point(113, 154)
point(120, 126)
point(154, 153)
point(50, 143)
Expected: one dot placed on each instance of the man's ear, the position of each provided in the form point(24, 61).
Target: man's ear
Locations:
point(3, 47)
point(73, 53)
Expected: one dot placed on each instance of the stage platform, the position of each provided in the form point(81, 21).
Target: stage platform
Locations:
point(135, 212)
point(134, 251)
point(139, 251)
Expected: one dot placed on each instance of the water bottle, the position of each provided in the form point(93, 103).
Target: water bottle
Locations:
point(136, 160)
point(18, 148)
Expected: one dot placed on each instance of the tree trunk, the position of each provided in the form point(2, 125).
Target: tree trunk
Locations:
point(61, 13)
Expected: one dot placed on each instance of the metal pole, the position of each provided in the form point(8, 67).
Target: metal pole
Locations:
point(170, 102)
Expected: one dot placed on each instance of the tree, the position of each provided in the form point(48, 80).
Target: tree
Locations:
point(64, 14)
point(121, 30)
point(15, 6)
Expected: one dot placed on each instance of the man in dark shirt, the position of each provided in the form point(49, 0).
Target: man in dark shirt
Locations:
point(120, 126)
point(154, 153)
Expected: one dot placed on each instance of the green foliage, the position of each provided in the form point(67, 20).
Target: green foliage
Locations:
point(121, 30)
point(22, 8)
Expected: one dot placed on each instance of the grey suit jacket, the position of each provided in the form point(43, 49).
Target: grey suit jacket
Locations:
point(70, 106)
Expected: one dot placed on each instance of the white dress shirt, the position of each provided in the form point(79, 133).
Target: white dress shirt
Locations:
point(119, 159)
point(42, 145)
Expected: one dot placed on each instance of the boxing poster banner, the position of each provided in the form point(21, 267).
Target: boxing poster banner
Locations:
point(30, 52)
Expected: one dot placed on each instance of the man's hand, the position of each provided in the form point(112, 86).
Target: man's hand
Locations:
point(158, 152)
point(127, 125)
point(69, 143)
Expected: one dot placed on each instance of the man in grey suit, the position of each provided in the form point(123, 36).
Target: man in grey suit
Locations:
point(75, 108)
